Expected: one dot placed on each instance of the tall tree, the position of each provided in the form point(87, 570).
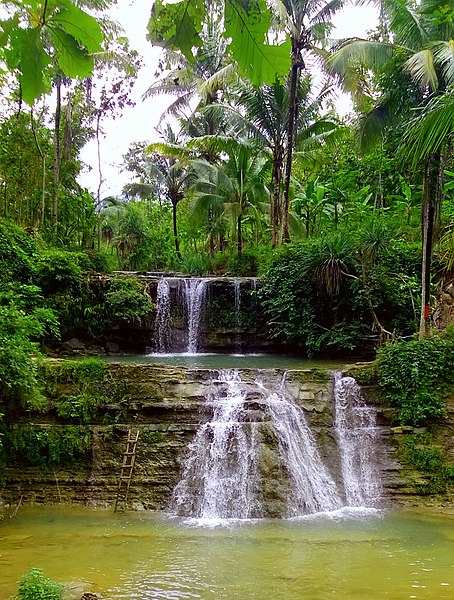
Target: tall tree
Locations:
point(306, 24)
point(263, 114)
point(248, 26)
point(161, 176)
point(421, 40)
point(238, 186)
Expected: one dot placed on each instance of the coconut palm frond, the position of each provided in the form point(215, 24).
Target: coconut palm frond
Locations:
point(324, 13)
point(421, 68)
point(238, 124)
point(164, 88)
point(219, 80)
point(405, 23)
point(359, 51)
point(430, 129)
point(443, 52)
point(218, 144)
point(370, 127)
point(168, 150)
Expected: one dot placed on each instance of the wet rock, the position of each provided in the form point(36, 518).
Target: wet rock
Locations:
point(73, 345)
point(112, 347)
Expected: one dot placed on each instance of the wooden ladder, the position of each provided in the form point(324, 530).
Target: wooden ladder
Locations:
point(129, 458)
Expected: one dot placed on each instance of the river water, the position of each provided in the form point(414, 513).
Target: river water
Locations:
point(356, 555)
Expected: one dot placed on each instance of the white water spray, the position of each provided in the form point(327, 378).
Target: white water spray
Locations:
point(194, 294)
point(221, 478)
point(162, 324)
point(356, 434)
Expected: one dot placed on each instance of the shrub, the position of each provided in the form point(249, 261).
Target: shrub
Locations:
point(48, 447)
point(414, 376)
point(125, 301)
point(118, 302)
point(326, 295)
point(418, 451)
point(60, 271)
point(18, 369)
point(34, 586)
point(86, 376)
point(17, 253)
point(81, 407)
point(195, 264)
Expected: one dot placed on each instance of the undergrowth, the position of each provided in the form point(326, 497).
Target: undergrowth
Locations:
point(416, 377)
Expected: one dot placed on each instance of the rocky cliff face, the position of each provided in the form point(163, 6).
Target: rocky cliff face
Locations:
point(166, 405)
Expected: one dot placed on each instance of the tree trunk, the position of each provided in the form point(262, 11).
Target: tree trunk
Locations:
point(240, 236)
point(42, 211)
point(296, 67)
point(175, 230)
point(57, 159)
point(100, 178)
point(276, 178)
point(427, 227)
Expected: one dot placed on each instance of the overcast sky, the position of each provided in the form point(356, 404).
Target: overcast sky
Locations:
point(139, 122)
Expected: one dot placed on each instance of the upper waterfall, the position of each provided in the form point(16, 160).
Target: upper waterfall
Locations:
point(194, 291)
point(193, 313)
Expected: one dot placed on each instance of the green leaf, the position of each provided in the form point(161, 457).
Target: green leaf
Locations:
point(177, 26)
point(5, 29)
point(28, 55)
point(247, 24)
point(81, 26)
point(71, 58)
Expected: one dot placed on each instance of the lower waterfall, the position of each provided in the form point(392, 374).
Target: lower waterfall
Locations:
point(224, 473)
point(356, 434)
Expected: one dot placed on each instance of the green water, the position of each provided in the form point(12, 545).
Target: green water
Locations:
point(228, 361)
point(145, 555)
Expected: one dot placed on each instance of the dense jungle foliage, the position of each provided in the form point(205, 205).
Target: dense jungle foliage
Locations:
point(348, 220)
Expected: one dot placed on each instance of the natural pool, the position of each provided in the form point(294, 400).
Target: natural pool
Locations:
point(228, 361)
point(368, 556)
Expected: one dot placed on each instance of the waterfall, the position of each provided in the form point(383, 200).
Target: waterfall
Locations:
point(194, 290)
point(221, 477)
point(162, 323)
point(356, 434)
point(311, 488)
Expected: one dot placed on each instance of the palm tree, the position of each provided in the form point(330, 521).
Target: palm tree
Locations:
point(162, 176)
point(204, 78)
point(236, 187)
point(306, 23)
point(422, 41)
point(262, 113)
point(427, 137)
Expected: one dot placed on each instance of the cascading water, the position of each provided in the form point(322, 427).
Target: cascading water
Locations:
point(311, 487)
point(221, 478)
point(356, 434)
point(162, 323)
point(194, 293)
